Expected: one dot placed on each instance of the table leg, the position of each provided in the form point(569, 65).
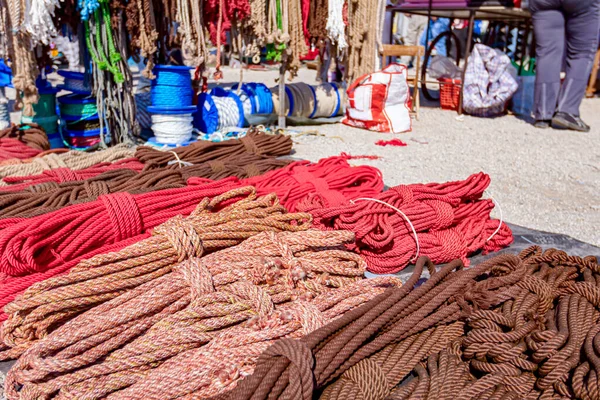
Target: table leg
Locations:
point(467, 54)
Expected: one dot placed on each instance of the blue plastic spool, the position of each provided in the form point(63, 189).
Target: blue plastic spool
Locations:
point(154, 143)
point(5, 75)
point(264, 99)
point(75, 82)
point(56, 141)
point(172, 75)
point(89, 133)
point(247, 89)
point(314, 93)
point(77, 99)
point(206, 118)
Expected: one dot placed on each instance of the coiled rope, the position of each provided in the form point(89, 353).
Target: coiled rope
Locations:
point(173, 128)
point(74, 160)
point(31, 135)
point(60, 175)
point(255, 142)
point(333, 179)
point(229, 115)
point(300, 266)
point(450, 221)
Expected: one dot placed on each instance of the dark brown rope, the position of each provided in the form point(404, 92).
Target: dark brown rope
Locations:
point(514, 327)
point(33, 135)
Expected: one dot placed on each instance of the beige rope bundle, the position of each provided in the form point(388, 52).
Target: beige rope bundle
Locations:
point(106, 276)
point(363, 31)
point(329, 100)
point(74, 160)
point(186, 308)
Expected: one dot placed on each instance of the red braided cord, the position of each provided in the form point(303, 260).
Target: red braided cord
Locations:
point(450, 219)
point(60, 175)
point(13, 148)
point(37, 248)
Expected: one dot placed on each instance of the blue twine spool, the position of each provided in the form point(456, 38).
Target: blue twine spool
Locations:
point(56, 141)
point(154, 143)
point(172, 87)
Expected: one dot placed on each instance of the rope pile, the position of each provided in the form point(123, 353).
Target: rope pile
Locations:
point(80, 122)
point(22, 142)
point(331, 181)
point(61, 175)
point(449, 220)
point(37, 248)
point(74, 160)
point(255, 142)
point(270, 284)
point(45, 198)
point(218, 110)
point(515, 327)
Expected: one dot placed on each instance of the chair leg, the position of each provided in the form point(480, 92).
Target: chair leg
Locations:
point(591, 89)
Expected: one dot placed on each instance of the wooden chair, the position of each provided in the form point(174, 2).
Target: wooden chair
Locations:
point(396, 50)
point(591, 89)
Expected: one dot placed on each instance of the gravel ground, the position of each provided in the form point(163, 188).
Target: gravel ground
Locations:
point(543, 179)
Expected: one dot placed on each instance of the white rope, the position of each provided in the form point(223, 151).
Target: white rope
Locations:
point(229, 114)
point(172, 129)
point(335, 24)
point(70, 49)
point(38, 20)
point(246, 102)
point(501, 219)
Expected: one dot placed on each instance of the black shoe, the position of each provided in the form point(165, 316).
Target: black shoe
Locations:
point(563, 120)
point(542, 123)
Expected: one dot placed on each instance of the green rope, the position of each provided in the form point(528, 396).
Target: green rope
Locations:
point(98, 53)
point(83, 110)
point(274, 52)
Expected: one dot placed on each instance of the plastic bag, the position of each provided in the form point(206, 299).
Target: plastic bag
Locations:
point(443, 67)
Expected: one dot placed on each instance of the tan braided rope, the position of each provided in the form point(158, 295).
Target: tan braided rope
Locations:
point(106, 276)
point(74, 160)
point(185, 309)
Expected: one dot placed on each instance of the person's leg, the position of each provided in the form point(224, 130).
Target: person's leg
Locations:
point(549, 28)
point(582, 17)
point(413, 34)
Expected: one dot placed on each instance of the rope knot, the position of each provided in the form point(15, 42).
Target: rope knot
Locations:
point(250, 145)
point(405, 192)
point(369, 378)
point(216, 166)
point(301, 364)
point(444, 214)
point(252, 170)
point(182, 236)
point(96, 189)
point(65, 175)
point(43, 187)
point(124, 215)
point(332, 197)
point(197, 275)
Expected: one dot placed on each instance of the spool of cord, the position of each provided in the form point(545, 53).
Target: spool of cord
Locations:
point(172, 129)
point(82, 139)
point(172, 87)
point(77, 107)
point(218, 110)
point(328, 101)
point(75, 82)
point(304, 100)
point(288, 102)
point(264, 100)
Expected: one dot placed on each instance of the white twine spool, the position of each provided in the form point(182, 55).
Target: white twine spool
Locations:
point(172, 128)
point(229, 113)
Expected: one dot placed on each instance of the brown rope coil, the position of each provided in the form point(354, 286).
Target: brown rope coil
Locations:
point(256, 143)
point(31, 134)
point(518, 327)
point(51, 196)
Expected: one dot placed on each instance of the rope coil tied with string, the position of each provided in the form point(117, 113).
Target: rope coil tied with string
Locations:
point(38, 248)
point(50, 196)
point(442, 221)
point(22, 142)
point(255, 142)
point(254, 288)
point(74, 160)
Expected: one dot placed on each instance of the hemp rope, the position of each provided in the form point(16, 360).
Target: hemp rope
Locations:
point(450, 219)
point(30, 134)
point(362, 37)
point(157, 254)
point(317, 23)
point(255, 142)
point(48, 197)
point(61, 175)
point(202, 299)
point(73, 159)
